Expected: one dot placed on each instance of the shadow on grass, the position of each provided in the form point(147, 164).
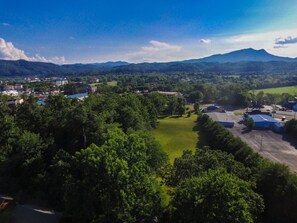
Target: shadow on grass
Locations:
point(162, 116)
point(170, 116)
point(202, 141)
point(202, 138)
point(176, 116)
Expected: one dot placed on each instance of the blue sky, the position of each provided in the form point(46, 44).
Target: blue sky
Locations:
point(136, 31)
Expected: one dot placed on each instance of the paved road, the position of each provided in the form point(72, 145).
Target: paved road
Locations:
point(276, 147)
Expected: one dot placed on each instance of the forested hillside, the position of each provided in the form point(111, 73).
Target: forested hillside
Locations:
point(26, 68)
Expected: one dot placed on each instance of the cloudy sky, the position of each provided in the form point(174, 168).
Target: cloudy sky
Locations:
point(143, 31)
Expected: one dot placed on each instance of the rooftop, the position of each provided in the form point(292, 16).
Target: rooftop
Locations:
point(262, 118)
point(220, 117)
point(80, 95)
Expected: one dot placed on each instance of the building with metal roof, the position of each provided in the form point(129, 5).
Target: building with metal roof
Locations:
point(223, 118)
point(265, 122)
point(79, 96)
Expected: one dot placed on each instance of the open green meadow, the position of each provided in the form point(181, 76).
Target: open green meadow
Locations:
point(176, 135)
point(112, 83)
point(94, 84)
point(279, 90)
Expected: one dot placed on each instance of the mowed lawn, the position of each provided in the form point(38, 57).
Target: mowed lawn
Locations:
point(279, 90)
point(177, 135)
point(112, 83)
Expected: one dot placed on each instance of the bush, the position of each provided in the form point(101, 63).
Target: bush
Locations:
point(250, 124)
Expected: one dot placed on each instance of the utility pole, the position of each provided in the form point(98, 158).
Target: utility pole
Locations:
point(261, 142)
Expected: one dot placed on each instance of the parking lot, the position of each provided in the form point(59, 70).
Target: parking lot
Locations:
point(280, 148)
point(276, 147)
point(288, 114)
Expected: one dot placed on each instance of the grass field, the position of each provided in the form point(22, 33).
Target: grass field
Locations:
point(279, 90)
point(112, 83)
point(176, 135)
point(94, 84)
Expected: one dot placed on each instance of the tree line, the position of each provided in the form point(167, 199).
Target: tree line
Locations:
point(276, 184)
point(96, 161)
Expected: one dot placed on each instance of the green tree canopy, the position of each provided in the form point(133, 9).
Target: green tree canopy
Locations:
point(113, 181)
point(215, 197)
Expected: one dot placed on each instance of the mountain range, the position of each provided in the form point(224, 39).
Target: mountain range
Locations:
point(108, 64)
point(245, 60)
point(241, 56)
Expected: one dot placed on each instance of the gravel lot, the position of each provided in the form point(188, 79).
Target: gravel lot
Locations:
point(276, 147)
point(288, 114)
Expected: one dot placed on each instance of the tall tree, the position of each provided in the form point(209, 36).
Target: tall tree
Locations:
point(113, 182)
point(216, 196)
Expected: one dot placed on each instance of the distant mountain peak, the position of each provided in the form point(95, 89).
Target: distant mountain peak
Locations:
point(241, 55)
point(250, 49)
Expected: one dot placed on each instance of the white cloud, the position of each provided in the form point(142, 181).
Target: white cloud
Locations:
point(59, 60)
point(157, 46)
point(156, 51)
point(205, 41)
point(288, 40)
point(188, 48)
point(71, 37)
point(38, 58)
point(9, 52)
point(279, 46)
point(191, 48)
point(244, 38)
point(269, 41)
point(5, 24)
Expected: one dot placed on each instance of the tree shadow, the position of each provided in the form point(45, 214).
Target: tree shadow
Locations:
point(202, 141)
point(201, 137)
point(290, 139)
point(175, 116)
point(163, 116)
point(232, 108)
point(245, 130)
